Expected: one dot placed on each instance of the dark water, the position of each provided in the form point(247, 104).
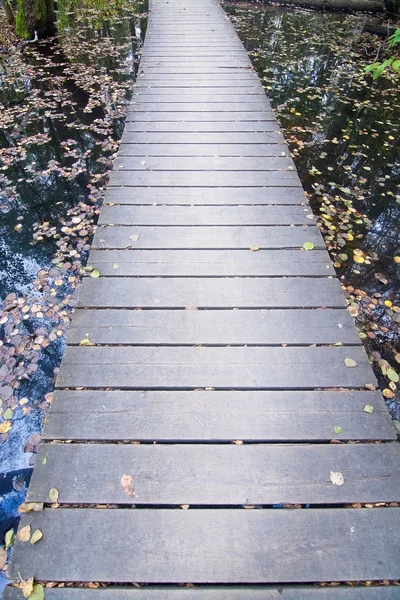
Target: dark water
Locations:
point(62, 113)
point(343, 131)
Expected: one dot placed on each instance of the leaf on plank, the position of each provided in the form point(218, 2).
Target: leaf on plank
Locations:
point(36, 536)
point(127, 484)
point(24, 533)
point(336, 477)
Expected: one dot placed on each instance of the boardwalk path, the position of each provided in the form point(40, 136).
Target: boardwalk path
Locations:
point(201, 341)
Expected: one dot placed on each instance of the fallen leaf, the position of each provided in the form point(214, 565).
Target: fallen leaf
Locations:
point(349, 362)
point(134, 237)
point(5, 426)
point(27, 507)
point(127, 484)
point(336, 477)
point(396, 423)
point(53, 494)
point(254, 248)
point(388, 394)
point(185, 506)
point(24, 533)
point(95, 273)
point(36, 536)
point(368, 408)
point(37, 592)
point(115, 266)
point(3, 557)
point(337, 429)
point(370, 386)
point(27, 587)
point(392, 375)
point(308, 246)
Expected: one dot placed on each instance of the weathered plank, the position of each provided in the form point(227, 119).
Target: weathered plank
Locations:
point(213, 327)
point(243, 237)
point(169, 545)
point(188, 138)
point(252, 592)
point(206, 195)
point(247, 103)
point(204, 127)
point(146, 148)
point(205, 215)
point(177, 367)
point(217, 416)
point(206, 178)
point(217, 475)
point(209, 164)
point(200, 116)
point(200, 263)
point(120, 292)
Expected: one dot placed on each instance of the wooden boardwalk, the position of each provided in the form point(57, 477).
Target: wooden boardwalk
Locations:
point(217, 379)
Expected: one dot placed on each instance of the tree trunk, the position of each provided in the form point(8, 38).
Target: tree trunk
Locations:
point(35, 15)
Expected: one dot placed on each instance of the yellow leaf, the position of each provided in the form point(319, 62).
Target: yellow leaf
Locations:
point(388, 393)
point(254, 248)
point(26, 587)
point(5, 426)
point(36, 536)
point(53, 494)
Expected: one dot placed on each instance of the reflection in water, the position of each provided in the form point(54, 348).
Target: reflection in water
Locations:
point(63, 104)
point(343, 133)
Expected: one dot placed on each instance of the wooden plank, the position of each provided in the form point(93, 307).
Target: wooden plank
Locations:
point(210, 293)
point(206, 237)
point(206, 195)
point(211, 263)
point(217, 416)
point(189, 96)
point(205, 215)
point(361, 592)
point(199, 117)
point(204, 127)
point(197, 138)
point(214, 327)
point(173, 546)
point(177, 367)
point(211, 475)
point(259, 105)
point(208, 164)
point(146, 148)
point(206, 178)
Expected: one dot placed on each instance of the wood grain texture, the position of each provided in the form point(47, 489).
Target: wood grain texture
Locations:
point(217, 416)
point(213, 327)
point(211, 263)
point(169, 545)
point(206, 195)
point(205, 215)
point(199, 163)
point(189, 149)
point(183, 139)
point(210, 293)
point(207, 475)
point(216, 237)
point(177, 367)
point(220, 592)
point(264, 126)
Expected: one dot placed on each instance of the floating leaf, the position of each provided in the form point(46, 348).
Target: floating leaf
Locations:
point(392, 375)
point(388, 393)
point(396, 423)
point(53, 494)
point(127, 484)
point(337, 429)
point(24, 533)
point(336, 477)
point(95, 273)
point(36, 536)
point(3, 557)
point(8, 413)
point(9, 538)
point(349, 362)
point(368, 408)
point(5, 426)
point(308, 245)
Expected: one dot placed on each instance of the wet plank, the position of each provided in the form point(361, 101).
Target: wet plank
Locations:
point(217, 416)
point(210, 293)
point(177, 367)
point(215, 263)
point(258, 543)
point(206, 195)
point(206, 475)
point(224, 593)
point(214, 327)
point(205, 215)
point(217, 237)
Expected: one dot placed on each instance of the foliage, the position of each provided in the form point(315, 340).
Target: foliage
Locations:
point(377, 68)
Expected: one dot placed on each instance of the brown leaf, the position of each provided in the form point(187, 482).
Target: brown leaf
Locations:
point(127, 484)
point(24, 533)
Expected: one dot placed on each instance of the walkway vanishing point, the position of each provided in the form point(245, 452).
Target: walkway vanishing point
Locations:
point(216, 381)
